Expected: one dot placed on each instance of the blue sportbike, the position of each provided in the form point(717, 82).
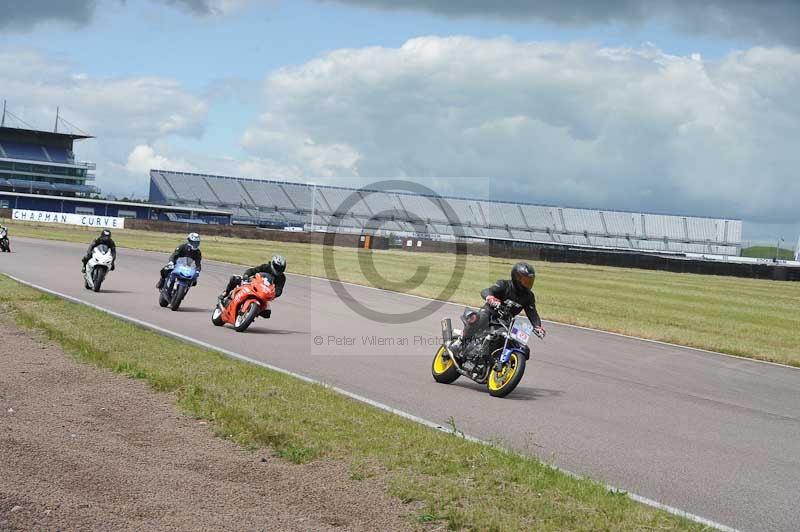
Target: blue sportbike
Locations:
point(182, 277)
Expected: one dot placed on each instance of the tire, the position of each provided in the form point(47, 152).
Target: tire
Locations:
point(162, 301)
point(178, 296)
point(98, 276)
point(444, 369)
point(245, 318)
point(503, 383)
point(216, 317)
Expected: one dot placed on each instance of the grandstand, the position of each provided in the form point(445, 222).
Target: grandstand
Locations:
point(43, 162)
point(314, 207)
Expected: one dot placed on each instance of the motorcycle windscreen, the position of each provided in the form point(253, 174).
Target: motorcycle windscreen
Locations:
point(520, 331)
point(102, 254)
point(185, 266)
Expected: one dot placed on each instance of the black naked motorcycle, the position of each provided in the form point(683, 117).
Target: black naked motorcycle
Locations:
point(495, 357)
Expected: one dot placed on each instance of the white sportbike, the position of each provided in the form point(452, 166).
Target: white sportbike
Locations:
point(97, 267)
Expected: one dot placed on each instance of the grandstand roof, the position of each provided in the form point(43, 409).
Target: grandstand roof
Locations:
point(172, 208)
point(444, 197)
point(35, 135)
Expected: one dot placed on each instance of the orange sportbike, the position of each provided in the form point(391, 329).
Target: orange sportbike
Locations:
point(248, 300)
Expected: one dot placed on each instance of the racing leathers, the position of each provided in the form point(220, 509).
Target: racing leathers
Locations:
point(266, 271)
point(184, 250)
point(499, 292)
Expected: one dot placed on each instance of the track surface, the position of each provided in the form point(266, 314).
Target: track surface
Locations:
point(715, 436)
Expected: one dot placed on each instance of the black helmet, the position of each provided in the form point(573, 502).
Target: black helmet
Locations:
point(522, 276)
point(278, 264)
point(105, 233)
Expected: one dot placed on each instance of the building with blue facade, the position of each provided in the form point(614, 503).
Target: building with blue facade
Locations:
point(121, 209)
point(39, 171)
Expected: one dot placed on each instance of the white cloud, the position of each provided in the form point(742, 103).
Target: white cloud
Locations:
point(126, 114)
point(143, 158)
point(574, 124)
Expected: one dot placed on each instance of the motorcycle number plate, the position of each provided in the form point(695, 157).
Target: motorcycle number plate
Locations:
point(521, 331)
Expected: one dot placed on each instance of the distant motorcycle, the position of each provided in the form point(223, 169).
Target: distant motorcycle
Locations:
point(183, 276)
point(496, 357)
point(97, 267)
point(248, 300)
point(5, 245)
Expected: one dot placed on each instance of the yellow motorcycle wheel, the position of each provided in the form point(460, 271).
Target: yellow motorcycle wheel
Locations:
point(443, 368)
point(503, 382)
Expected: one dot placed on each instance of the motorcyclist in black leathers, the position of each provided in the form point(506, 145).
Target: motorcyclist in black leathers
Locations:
point(272, 271)
point(518, 290)
point(191, 249)
point(4, 228)
point(103, 239)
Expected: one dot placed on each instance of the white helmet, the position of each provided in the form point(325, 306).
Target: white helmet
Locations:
point(193, 240)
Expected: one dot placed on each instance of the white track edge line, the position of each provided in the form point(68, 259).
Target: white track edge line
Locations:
point(232, 354)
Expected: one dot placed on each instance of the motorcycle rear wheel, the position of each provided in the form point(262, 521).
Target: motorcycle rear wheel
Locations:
point(443, 368)
point(502, 383)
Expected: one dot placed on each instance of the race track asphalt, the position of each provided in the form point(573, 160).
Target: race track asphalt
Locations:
point(712, 435)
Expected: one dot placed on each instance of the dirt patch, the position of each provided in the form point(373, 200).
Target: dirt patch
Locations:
point(85, 449)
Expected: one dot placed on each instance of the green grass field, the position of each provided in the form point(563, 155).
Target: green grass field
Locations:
point(767, 252)
point(460, 485)
point(747, 317)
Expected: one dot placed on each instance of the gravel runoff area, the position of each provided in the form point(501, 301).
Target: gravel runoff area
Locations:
point(86, 449)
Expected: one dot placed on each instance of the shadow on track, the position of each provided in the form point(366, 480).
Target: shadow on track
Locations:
point(266, 330)
point(112, 291)
point(521, 393)
point(195, 310)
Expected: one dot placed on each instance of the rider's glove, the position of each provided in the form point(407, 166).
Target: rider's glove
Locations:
point(539, 331)
point(170, 265)
point(493, 301)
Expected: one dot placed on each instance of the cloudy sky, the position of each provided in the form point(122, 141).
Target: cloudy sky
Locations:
point(648, 105)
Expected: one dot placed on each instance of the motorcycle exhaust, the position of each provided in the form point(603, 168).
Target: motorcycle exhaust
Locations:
point(447, 330)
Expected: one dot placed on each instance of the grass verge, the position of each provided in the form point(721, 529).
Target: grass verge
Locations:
point(467, 485)
point(747, 317)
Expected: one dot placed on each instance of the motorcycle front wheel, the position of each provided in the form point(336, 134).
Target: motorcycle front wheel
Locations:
point(178, 296)
point(216, 317)
point(246, 316)
point(98, 275)
point(443, 368)
point(503, 382)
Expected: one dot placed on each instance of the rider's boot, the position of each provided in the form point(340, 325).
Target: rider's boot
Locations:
point(160, 283)
point(223, 299)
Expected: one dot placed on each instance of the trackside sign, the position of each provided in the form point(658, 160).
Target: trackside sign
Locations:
point(85, 220)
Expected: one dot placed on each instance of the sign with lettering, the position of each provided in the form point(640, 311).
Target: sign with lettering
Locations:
point(86, 220)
